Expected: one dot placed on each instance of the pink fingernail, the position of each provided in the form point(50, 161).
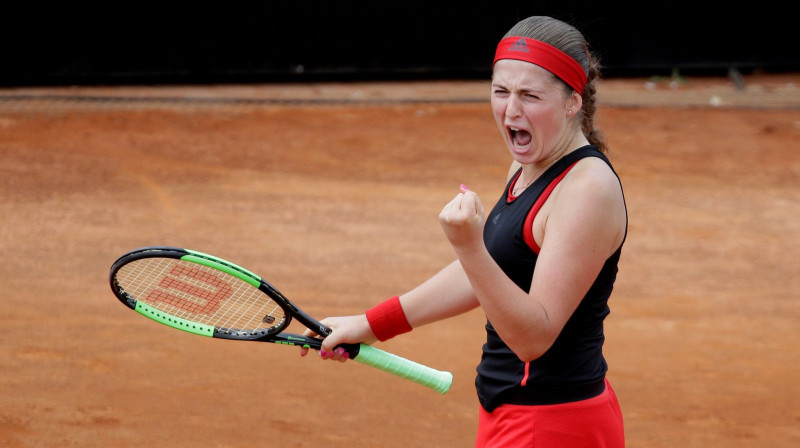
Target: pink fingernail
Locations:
point(464, 187)
point(339, 350)
point(322, 353)
point(346, 355)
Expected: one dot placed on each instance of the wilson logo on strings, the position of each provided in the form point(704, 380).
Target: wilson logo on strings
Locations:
point(191, 289)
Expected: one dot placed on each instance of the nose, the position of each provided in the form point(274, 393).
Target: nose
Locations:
point(513, 106)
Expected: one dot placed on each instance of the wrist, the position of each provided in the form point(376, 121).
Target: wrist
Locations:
point(387, 319)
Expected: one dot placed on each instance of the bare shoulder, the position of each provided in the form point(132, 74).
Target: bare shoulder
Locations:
point(589, 201)
point(593, 175)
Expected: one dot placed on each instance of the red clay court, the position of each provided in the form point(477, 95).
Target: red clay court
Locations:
point(331, 192)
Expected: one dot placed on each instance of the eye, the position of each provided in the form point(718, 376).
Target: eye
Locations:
point(498, 89)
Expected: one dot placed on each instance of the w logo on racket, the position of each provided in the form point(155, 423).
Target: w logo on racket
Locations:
point(192, 289)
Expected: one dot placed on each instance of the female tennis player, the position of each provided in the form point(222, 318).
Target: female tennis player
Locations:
point(541, 264)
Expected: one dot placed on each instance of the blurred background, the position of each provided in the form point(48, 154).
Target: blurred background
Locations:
point(86, 43)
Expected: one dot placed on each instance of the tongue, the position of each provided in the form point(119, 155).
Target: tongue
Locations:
point(522, 138)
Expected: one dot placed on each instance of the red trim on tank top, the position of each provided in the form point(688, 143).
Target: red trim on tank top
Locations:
point(524, 381)
point(509, 196)
point(527, 231)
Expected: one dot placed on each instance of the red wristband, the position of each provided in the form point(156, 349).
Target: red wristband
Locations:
point(387, 319)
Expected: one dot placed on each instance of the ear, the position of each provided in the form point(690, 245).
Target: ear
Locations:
point(574, 103)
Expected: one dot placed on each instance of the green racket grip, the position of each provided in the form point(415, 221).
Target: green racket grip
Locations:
point(435, 379)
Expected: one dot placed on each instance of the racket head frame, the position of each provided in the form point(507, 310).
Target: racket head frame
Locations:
point(209, 261)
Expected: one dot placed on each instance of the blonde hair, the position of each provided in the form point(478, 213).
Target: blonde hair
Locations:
point(568, 39)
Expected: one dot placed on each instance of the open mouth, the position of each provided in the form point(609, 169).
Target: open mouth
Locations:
point(520, 137)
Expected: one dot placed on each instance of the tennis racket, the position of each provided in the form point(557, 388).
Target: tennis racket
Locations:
point(208, 296)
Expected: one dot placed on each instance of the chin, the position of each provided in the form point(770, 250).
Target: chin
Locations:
point(526, 156)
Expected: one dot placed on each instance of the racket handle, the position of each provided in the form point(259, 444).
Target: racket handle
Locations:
point(435, 379)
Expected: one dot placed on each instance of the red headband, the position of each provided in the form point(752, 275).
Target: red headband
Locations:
point(545, 56)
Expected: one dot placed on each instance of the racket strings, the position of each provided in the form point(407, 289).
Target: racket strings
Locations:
point(199, 294)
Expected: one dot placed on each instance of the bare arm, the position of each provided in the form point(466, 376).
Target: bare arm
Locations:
point(446, 294)
point(581, 229)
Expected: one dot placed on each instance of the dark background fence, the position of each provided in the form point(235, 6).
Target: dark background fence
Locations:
point(183, 42)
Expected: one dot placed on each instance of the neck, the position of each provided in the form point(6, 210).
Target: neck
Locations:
point(532, 171)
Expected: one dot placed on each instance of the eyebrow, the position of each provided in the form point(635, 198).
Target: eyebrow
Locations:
point(523, 89)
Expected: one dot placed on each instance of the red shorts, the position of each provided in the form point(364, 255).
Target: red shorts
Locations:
point(592, 423)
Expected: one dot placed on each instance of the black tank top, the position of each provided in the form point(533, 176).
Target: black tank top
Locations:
point(574, 367)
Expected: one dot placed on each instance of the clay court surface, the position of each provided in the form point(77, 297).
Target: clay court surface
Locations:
point(331, 192)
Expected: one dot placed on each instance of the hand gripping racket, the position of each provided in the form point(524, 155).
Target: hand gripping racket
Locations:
point(208, 296)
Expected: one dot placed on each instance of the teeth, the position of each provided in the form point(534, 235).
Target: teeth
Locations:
point(513, 136)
